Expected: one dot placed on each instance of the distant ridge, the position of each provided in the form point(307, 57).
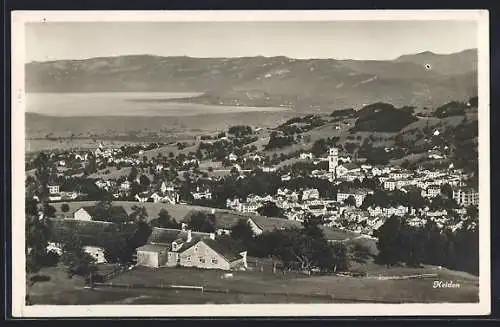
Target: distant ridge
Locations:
point(269, 81)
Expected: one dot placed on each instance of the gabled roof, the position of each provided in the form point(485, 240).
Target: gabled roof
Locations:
point(99, 213)
point(269, 223)
point(227, 220)
point(350, 166)
point(227, 248)
point(91, 233)
point(169, 235)
point(152, 248)
point(163, 235)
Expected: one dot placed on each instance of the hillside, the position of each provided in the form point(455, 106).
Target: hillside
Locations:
point(455, 63)
point(382, 117)
point(268, 81)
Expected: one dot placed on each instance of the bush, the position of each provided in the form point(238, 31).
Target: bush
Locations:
point(51, 259)
point(39, 278)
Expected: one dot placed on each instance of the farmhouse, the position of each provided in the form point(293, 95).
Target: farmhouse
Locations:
point(212, 254)
point(111, 214)
point(173, 247)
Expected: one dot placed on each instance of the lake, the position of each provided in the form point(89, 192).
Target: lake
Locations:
point(125, 104)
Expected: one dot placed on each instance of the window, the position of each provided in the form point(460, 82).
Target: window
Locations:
point(195, 249)
point(188, 258)
point(202, 260)
point(214, 261)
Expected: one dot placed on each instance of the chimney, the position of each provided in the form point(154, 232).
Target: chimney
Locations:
point(189, 238)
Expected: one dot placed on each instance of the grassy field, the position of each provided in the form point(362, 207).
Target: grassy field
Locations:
point(257, 287)
point(113, 173)
point(178, 211)
point(339, 288)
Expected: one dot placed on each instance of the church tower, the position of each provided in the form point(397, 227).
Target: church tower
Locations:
point(333, 160)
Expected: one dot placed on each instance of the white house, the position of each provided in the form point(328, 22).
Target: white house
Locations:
point(232, 157)
point(53, 189)
point(206, 194)
point(142, 197)
point(82, 214)
point(306, 156)
point(310, 194)
point(390, 184)
point(431, 192)
point(96, 252)
point(267, 169)
point(125, 186)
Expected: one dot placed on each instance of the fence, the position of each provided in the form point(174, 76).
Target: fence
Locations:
point(104, 277)
point(202, 289)
point(420, 276)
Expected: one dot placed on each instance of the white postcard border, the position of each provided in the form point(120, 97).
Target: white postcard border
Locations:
point(19, 309)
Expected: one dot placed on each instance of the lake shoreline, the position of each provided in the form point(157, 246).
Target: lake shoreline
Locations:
point(135, 104)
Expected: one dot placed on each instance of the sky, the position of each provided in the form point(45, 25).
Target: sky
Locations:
point(365, 40)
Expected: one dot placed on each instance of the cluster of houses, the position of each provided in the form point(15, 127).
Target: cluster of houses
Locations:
point(296, 204)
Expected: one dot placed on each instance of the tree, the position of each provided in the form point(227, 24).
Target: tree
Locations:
point(37, 229)
point(359, 252)
point(340, 257)
point(350, 201)
point(49, 211)
point(64, 207)
point(389, 242)
point(241, 231)
point(202, 222)
point(319, 148)
point(133, 174)
point(104, 205)
point(139, 213)
point(144, 181)
point(140, 237)
point(270, 209)
point(74, 257)
point(116, 249)
point(164, 220)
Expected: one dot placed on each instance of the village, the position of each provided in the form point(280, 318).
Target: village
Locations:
point(365, 196)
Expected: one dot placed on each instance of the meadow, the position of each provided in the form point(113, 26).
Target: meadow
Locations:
point(256, 287)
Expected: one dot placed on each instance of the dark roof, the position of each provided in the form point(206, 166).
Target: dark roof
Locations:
point(152, 248)
point(227, 248)
point(163, 235)
point(197, 235)
point(168, 235)
point(91, 233)
point(187, 245)
point(351, 166)
point(99, 213)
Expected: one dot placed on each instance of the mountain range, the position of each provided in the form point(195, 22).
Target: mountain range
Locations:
point(423, 79)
